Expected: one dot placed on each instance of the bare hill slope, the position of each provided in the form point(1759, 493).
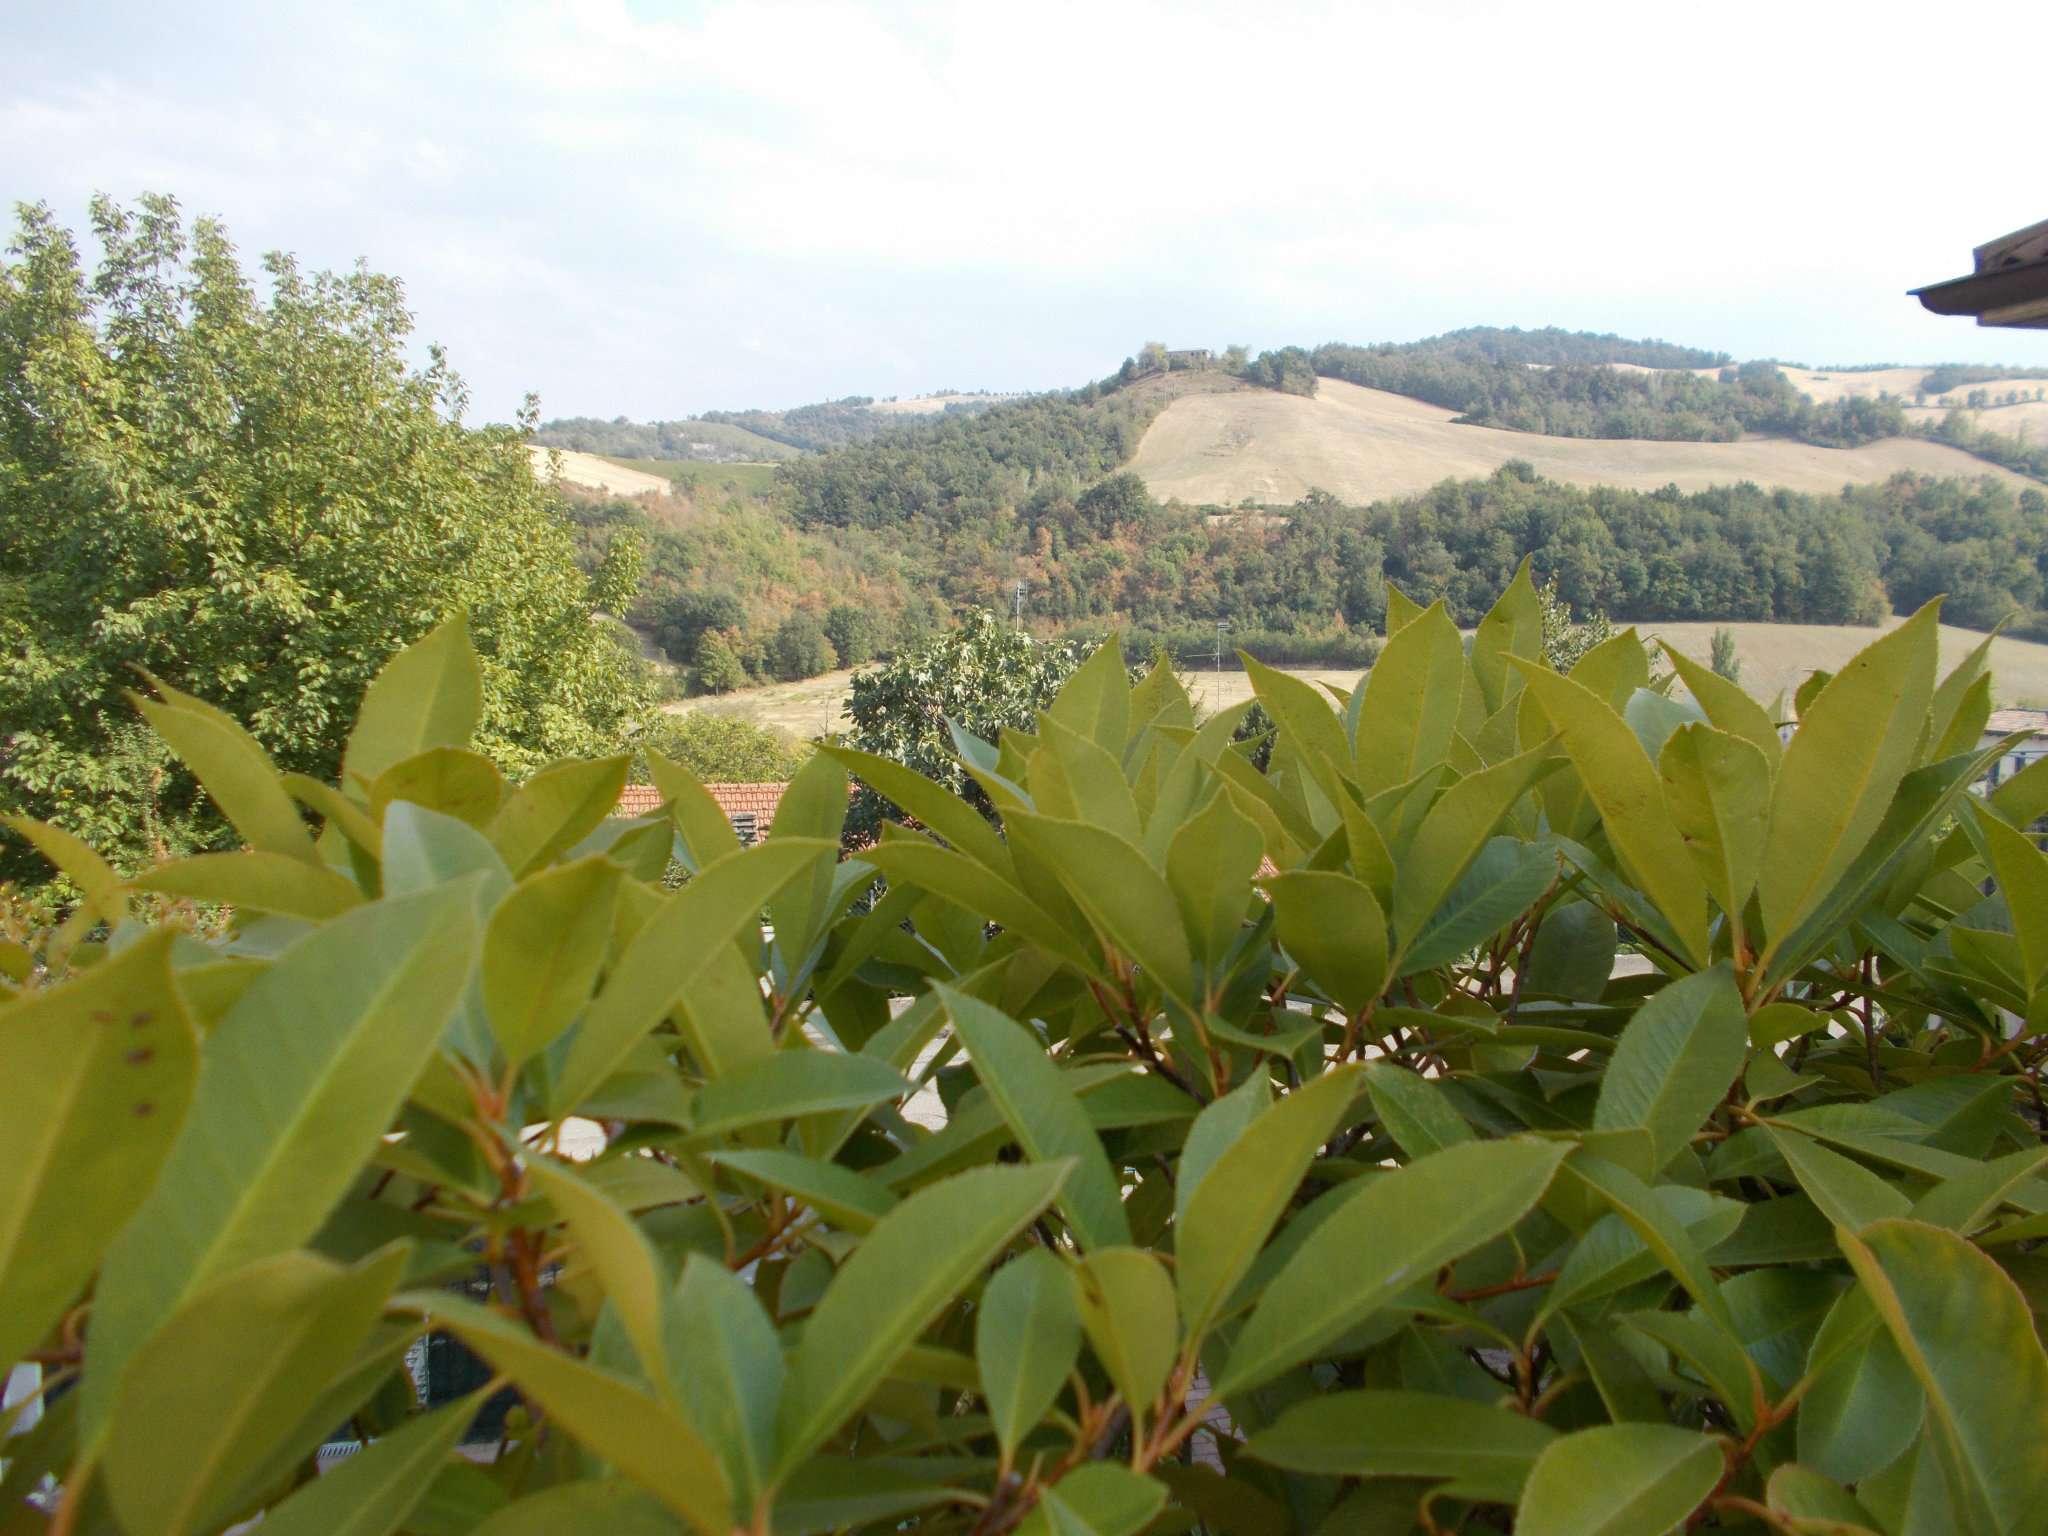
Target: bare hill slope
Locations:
point(1362, 444)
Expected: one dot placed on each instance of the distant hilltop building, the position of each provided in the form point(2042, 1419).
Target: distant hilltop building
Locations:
point(1190, 357)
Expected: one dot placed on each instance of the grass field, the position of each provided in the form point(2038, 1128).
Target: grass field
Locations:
point(1362, 444)
point(1775, 658)
point(753, 478)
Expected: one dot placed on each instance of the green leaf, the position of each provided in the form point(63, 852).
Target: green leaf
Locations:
point(1096, 701)
point(424, 849)
point(1512, 627)
point(1126, 899)
point(932, 804)
point(1097, 1498)
point(955, 878)
point(75, 858)
point(282, 1121)
point(1674, 1063)
point(234, 769)
point(611, 1242)
point(556, 809)
point(1453, 833)
point(1968, 1335)
point(1727, 706)
point(429, 695)
point(727, 1365)
point(2022, 873)
point(1402, 1225)
point(1573, 956)
point(706, 830)
point(1619, 1480)
point(1209, 864)
point(677, 945)
point(849, 1200)
point(1408, 703)
point(1027, 1334)
point(1043, 1113)
point(1965, 1201)
point(1407, 1435)
point(1624, 786)
point(1638, 1205)
point(1848, 1193)
point(1717, 788)
point(610, 1416)
point(918, 1258)
point(372, 1493)
point(259, 882)
point(1247, 1188)
point(1810, 1503)
point(1504, 882)
point(543, 949)
point(1854, 743)
point(789, 1084)
point(1335, 932)
point(452, 780)
point(232, 1370)
point(1127, 1310)
point(1415, 1111)
point(833, 1493)
point(1865, 1406)
point(95, 1077)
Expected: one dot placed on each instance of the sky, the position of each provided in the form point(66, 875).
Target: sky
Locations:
point(654, 209)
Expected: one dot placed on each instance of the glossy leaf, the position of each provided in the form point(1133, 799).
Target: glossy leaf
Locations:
point(723, 1356)
point(281, 1120)
point(556, 809)
point(428, 695)
point(543, 948)
point(1401, 1225)
point(1674, 1063)
point(373, 1492)
point(1967, 1334)
point(1619, 1480)
point(918, 1258)
point(1044, 1114)
point(1335, 930)
point(95, 1078)
point(1407, 1435)
point(1127, 1309)
point(1027, 1334)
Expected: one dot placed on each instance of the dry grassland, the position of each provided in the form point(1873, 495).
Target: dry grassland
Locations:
point(1363, 444)
point(587, 469)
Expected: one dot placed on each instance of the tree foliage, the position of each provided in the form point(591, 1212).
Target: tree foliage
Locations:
point(258, 500)
point(1321, 1089)
point(720, 748)
point(1317, 1097)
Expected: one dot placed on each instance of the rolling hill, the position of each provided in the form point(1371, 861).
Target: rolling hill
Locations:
point(1363, 444)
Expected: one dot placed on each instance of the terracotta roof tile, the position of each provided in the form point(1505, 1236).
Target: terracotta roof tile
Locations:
point(756, 800)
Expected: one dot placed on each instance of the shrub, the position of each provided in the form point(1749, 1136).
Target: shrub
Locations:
point(798, 649)
point(1319, 1088)
point(721, 749)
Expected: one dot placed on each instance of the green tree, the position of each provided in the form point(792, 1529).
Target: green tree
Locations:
point(983, 677)
point(854, 631)
point(719, 668)
point(1723, 658)
point(798, 649)
point(258, 500)
point(1565, 638)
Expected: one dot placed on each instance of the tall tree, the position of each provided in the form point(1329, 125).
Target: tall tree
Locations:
point(257, 500)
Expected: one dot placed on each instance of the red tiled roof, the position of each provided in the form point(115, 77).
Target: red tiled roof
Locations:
point(756, 800)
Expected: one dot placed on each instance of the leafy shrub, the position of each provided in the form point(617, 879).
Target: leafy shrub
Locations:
point(721, 749)
point(1314, 1097)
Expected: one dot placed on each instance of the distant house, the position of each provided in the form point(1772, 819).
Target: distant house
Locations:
point(1189, 357)
point(2003, 723)
point(749, 807)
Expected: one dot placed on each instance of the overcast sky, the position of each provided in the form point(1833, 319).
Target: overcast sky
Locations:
point(656, 209)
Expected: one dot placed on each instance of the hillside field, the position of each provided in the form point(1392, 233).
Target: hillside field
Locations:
point(751, 478)
point(1364, 444)
point(1775, 658)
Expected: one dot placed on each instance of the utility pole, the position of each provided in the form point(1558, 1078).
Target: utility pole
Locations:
point(1017, 607)
point(1217, 657)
